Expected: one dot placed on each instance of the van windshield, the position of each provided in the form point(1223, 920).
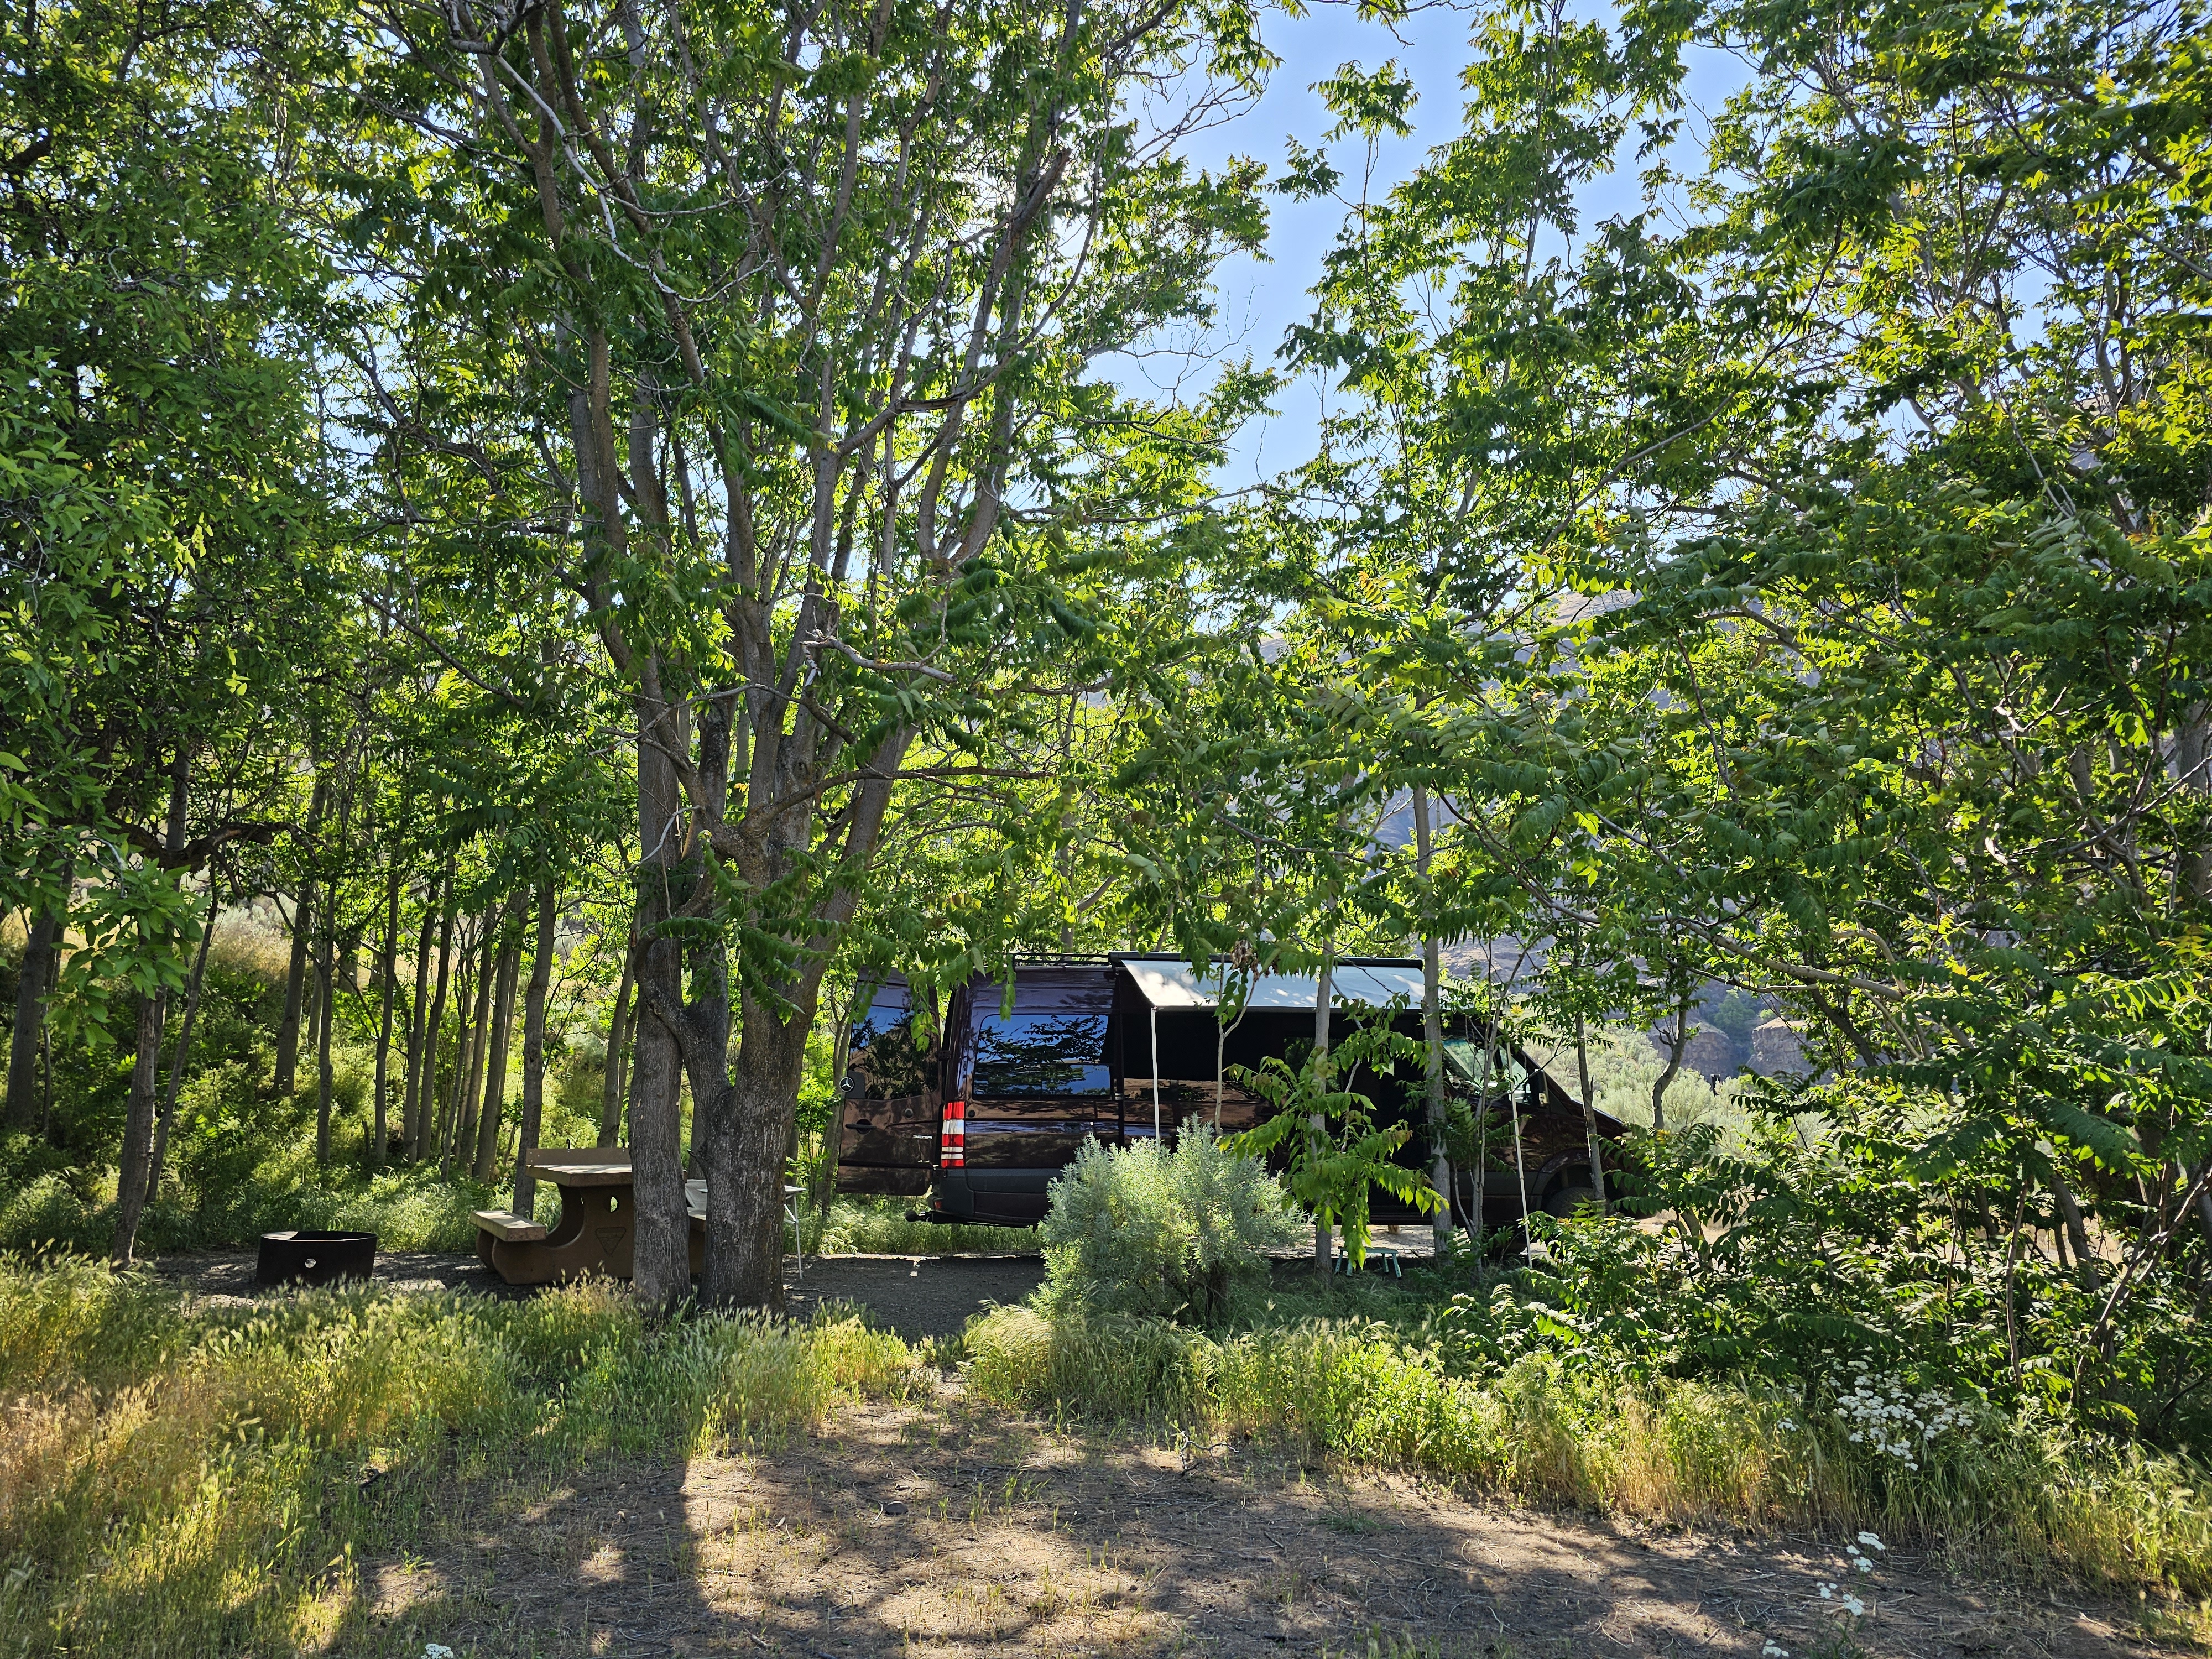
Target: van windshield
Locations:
point(1041, 1054)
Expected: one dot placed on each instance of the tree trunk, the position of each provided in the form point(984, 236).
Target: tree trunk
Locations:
point(610, 1078)
point(471, 1081)
point(533, 1054)
point(192, 981)
point(1317, 1123)
point(131, 1193)
point(1476, 1197)
point(377, 1133)
point(311, 1016)
point(745, 1159)
point(324, 968)
point(449, 1107)
point(1432, 1037)
point(495, 1053)
point(1590, 1115)
point(303, 912)
point(661, 1257)
point(139, 1126)
point(2077, 1232)
point(430, 1123)
point(43, 947)
point(419, 1037)
point(1674, 1052)
point(325, 1001)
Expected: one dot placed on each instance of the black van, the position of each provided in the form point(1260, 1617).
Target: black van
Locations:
point(980, 1103)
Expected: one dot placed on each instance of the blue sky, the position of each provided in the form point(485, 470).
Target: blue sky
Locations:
point(1260, 298)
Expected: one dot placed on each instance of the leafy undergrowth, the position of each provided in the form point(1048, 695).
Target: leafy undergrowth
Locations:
point(407, 1208)
point(193, 1482)
point(2012, 1496)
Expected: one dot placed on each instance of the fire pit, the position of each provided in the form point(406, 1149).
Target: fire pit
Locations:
point(304, 1256)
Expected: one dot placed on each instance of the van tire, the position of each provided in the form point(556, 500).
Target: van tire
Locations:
point(1576, 1196)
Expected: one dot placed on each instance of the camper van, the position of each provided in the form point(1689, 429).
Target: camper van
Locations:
point(979, 1104)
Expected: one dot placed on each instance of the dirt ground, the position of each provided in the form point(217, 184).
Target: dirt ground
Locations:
point(940, 1532)
point(917, 1296)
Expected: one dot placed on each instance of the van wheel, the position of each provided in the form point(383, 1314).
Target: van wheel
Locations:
point(1577, 1195)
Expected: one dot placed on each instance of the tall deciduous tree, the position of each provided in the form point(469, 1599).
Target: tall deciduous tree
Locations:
point(798, 304)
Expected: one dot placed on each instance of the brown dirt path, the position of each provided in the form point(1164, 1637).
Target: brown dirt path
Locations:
point(946, 1532)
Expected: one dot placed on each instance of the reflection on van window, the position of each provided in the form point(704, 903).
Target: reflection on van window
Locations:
point(1041, 1054)
point(883, 1060)
point(1506, 1075)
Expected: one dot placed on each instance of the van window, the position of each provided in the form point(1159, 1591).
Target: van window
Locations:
point(883, 1060)
point(1041, 1054)
point(1506, 1074)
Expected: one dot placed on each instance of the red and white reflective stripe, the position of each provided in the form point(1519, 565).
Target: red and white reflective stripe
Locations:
point(952, 1136)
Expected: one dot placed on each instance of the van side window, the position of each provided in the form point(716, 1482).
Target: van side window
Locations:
point(1506, 1074)
point(1041, 1054)
point(883, 1060)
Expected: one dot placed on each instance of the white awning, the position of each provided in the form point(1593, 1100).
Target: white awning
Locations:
point(1177, 985)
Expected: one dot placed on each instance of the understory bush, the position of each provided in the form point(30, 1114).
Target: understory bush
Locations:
point(408, 1207)
point(1808, 1264)
point(200, 1481)
point(1146, 1231)
point(2014, 1493)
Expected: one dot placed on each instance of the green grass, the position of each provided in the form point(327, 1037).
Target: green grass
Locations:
point(178, 1482)
point(878, 1226)
point(2018, 1497)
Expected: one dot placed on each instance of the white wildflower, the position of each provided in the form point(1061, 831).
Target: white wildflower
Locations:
point(1827, 1592)
point(437, 1651)
point(1883, 1415)
point(1773, 1650)
point(1853, 1605)
point(1870, 1540)
point(1863, 1564)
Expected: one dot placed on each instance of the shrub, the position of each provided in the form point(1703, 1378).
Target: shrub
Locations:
point(1144, 1231)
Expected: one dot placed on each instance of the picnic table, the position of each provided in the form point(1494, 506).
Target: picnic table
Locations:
point(593, 1233)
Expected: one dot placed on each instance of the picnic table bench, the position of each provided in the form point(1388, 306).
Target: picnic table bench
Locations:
point(593, 1233)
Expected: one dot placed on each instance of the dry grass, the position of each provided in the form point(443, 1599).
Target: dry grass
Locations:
point(175, 1480)
point(247, 947)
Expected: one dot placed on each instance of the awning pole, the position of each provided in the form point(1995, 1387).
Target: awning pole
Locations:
point(1155, 1074)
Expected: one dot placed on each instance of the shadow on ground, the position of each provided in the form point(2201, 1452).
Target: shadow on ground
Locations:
point(918, 1296)
point(944, 1532)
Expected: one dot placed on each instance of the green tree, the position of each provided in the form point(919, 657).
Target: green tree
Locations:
point(796, 306)
point(161, 532)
